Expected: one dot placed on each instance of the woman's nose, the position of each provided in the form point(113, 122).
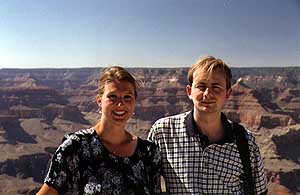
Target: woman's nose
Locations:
point(120, 102)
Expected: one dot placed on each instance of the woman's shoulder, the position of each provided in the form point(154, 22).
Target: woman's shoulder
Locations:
point(84, 133)
point(150, 153)
point(80, 134)
point(72, 141)
point(147, 147)
point(147, 144)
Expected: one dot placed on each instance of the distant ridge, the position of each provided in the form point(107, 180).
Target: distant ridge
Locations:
point(39, 106)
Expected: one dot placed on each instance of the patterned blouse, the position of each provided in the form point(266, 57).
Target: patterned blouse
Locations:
point(82, 165)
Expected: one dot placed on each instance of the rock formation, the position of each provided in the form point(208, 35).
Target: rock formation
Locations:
point(39, 106)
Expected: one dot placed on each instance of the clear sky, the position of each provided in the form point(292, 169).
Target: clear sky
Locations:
point(148, 33)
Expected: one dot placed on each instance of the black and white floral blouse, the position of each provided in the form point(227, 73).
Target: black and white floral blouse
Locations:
point(82, 165)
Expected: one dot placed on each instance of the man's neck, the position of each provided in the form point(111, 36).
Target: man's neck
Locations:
point(210, 125)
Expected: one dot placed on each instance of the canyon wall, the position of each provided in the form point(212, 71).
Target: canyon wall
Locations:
point(39, 106)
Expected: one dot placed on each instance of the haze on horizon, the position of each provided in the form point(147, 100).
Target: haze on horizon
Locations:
point(143, 33)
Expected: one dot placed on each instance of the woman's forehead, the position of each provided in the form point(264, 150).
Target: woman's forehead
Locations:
point(119, 85)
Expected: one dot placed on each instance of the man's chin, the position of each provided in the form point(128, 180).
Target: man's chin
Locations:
point(205, 109)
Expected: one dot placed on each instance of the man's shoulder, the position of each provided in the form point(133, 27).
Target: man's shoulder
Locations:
point(173, 118)
point(168, 126)
point(245, 131)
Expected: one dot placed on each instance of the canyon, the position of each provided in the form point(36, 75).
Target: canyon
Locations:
point(39, 106)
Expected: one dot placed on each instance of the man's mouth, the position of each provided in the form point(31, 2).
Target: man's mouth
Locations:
point(207, 102)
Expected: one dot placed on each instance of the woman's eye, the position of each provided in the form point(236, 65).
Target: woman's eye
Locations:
point(128, 98)
point(112, 97)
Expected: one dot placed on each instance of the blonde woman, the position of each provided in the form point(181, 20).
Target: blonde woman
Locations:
point(106, 158)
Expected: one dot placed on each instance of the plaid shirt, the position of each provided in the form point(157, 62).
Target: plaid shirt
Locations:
point(192, 165)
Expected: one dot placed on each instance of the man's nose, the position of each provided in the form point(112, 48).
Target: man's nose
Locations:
point(207, 92)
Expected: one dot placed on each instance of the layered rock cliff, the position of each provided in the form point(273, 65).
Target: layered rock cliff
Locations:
point(39, 106)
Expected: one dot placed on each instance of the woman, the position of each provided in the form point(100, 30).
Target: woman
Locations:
point(106, 159)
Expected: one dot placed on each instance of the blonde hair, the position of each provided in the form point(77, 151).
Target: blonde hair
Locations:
point(115, 73)
point(208, 64)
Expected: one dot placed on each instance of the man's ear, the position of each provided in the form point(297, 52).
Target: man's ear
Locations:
point(98, 100)
point(188, 89)
point(228, 93)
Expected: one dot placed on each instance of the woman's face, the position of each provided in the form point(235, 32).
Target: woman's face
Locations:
point(117, 102)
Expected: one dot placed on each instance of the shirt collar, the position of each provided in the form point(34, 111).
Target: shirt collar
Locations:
point(193, 131)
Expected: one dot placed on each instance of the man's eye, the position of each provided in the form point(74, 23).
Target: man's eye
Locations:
point(216, 88)
point(202, 88)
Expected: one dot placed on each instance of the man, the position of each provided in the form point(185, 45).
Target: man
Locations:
point(201, 148)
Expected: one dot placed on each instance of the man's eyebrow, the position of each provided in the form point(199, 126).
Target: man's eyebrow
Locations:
point(201, 81)
point(216, 83)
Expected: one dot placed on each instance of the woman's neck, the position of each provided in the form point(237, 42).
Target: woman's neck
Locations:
point(112, 134)
point(117, 140)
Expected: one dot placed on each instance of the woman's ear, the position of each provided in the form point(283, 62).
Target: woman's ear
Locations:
point(98, 100)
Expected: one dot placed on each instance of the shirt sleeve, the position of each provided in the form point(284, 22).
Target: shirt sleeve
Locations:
point(152, 161)
point(58, 171)
point(62, 166)
point(154, 170)
point(258, 173)
point(151, 134)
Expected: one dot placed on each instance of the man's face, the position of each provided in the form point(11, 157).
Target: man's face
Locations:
point(208, 92)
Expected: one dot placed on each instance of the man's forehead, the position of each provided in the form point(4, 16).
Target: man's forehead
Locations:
point(204, 75)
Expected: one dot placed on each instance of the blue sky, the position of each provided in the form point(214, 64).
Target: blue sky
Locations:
point(148, 33)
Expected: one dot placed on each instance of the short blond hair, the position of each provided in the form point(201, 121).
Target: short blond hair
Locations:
point(208, 64)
